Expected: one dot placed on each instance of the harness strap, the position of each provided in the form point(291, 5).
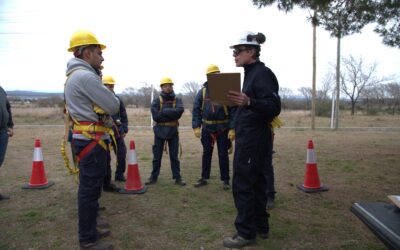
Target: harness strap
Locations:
point(162, 101)
point(212, 105)
point(94, 131)
point(170, 124)
point(91, 146)
point(214, 136)
point(215, 121)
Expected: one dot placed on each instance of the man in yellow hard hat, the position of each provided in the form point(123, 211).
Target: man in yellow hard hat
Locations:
point(120, 130)
point(166, 111)
point(84, 92)
point(214, 124)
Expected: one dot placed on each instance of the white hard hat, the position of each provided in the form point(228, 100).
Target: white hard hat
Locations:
point(247, 38)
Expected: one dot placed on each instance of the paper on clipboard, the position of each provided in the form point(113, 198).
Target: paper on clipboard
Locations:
point(219, 85)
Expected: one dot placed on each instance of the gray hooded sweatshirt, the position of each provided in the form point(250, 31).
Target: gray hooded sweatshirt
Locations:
point(84, 88)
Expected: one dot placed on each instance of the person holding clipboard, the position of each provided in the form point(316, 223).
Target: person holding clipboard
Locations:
point(258, 104)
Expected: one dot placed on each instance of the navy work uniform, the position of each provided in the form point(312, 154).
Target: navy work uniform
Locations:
point(166, 111)
point(215, 121)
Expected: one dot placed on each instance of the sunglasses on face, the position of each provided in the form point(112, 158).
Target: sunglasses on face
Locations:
point(237, 51)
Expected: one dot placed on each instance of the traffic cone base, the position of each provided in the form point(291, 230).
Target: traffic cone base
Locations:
point(133, 184)
point(322, 188)
point(44, 186)
point(139, 191)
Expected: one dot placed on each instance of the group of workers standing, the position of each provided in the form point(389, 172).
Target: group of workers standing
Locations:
point(98, 120)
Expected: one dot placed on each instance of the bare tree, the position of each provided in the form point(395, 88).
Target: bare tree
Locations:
point(190, 90)
point(144, 94)
point(307, 93)
point(356, 78)
point(393, 91)
point(326, 87)
point(285, 94)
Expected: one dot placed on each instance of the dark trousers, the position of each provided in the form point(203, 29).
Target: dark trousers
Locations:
point(107, 176)
point(223, 144)
point(270, 180)
point(121, 157)
point(3, 145)
point(92, 169)
point(249, 185)
point(173, 147)
point(270, 173)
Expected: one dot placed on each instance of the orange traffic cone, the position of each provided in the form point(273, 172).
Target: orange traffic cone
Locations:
point(133, 183)
point(38, 178)
point(311, 179)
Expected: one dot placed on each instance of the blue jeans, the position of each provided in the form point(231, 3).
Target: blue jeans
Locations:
point(3, 145)
point(92, 169)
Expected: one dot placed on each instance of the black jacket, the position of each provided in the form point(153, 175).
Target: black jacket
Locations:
point(261, 86)
point(5, 112)
point(171, 110)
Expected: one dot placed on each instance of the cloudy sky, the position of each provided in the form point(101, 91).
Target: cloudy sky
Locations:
point(147, 40)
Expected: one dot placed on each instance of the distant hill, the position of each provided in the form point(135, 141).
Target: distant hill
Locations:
point(32, 94)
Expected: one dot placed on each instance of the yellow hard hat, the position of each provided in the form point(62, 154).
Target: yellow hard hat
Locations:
point(108, 80)
point(83, 37)
point(166, 80)
point(212, 68)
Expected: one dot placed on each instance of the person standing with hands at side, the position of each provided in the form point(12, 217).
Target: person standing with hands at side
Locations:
point(166, 111)
point(89, 104)
point(213, 124)
point(259, 103)
point(6, 128)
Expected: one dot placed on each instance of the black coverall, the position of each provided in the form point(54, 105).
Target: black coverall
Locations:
point(253, 149)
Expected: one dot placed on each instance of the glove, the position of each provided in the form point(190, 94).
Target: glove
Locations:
point(276, 122)
point(231, 134)
point(98, 110)
point(197, 132)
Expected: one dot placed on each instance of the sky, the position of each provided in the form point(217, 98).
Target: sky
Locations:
point(148, 40)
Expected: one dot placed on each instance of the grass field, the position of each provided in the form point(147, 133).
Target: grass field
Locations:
point(357, 165)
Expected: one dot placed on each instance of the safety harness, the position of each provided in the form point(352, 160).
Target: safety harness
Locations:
point(170, 124)
point(215, 135)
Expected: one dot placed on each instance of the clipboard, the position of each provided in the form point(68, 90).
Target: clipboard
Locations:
point(219, 84)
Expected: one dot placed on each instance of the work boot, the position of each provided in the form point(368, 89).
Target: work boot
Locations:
point(180, 182)
point(4, 197)
point(150, 181)
point(98, 245)
point(201, 182)
point(270, 203)
point(111, 188)
point(226, 185)
point(103, 232)
point(263, 235)
point(237, 241)
point(120, 178)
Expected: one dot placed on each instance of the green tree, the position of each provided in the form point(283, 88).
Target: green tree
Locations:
point(316, 6)
point(387, 14)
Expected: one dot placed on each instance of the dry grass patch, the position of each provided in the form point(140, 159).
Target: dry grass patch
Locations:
point(357, 166)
